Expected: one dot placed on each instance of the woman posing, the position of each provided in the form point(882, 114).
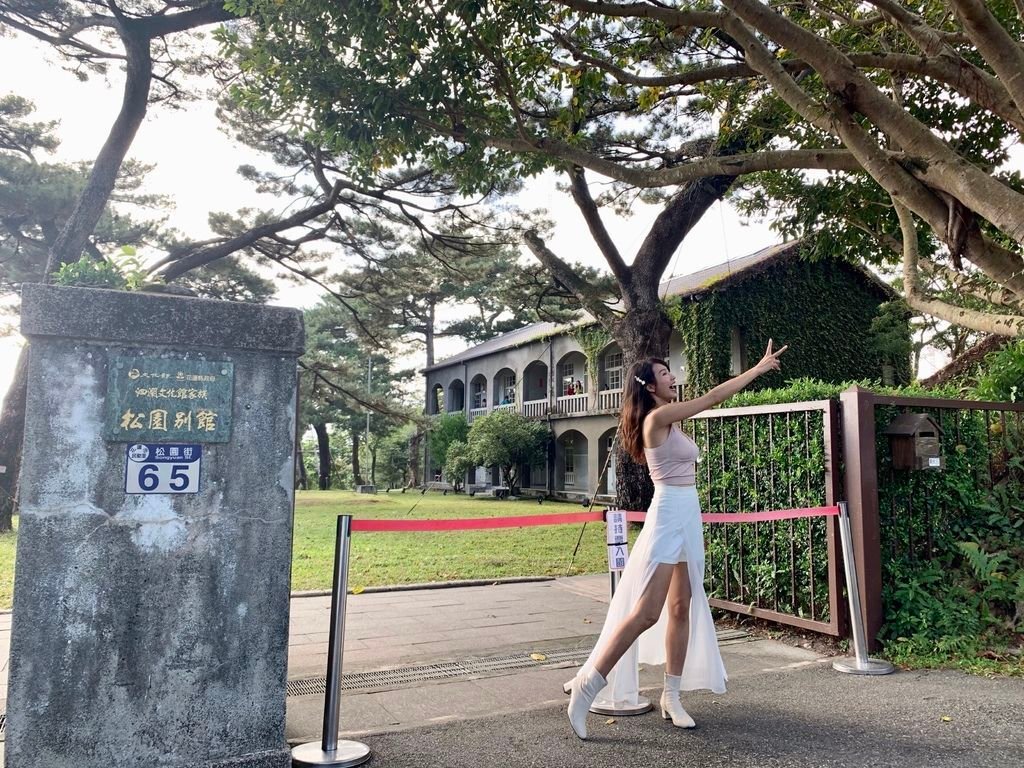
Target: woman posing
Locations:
point(663, 583)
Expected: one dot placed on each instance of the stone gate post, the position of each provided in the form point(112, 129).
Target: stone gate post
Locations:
point(150, 621)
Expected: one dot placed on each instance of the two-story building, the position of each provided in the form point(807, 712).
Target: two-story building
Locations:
point(542, 371)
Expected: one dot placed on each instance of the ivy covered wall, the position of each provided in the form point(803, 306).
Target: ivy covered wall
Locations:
point(822, 310)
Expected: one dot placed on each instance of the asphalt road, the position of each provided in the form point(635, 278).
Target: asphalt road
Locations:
point(796, 718)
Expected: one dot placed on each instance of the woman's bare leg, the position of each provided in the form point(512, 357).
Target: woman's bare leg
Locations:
point(645, 615)
point(677, 633)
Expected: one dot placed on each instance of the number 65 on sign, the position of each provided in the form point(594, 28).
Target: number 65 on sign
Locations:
point(162, 468)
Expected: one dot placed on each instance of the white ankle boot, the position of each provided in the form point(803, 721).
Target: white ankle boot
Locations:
point(671, 706)
point(583, 690)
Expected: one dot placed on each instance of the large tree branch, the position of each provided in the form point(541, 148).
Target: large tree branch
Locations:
point(937, 164)
point(66, 39)
point(568, 277)
point(71, 242)
point(987, 322)
point(726, 165)
point(667, 233)
point(963, 285)
point(1000, 50)
point(586, 204)
point(159, 25)
point(175, 266)
point(941, 64)
point(998, 263)
point(673, 17)
point(1001, 265)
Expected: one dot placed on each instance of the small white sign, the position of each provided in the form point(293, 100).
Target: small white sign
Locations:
point(615, 526)
point(162, 468)
point(618, 556)
point(616, 535)
point(934, 461)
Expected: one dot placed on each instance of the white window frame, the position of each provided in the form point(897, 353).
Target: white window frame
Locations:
point(508, 388)
point(613, 373)
point(737, 351)
point(478, 394)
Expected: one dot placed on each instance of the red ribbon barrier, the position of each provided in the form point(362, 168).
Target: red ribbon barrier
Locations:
point(568, 518)
point(469, 523)
point(761, 517)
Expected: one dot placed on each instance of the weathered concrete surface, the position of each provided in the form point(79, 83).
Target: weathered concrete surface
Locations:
point(807, 717)
point(151, 629)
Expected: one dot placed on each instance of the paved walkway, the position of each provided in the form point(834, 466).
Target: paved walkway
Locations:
point(786, 707)
point(491, 631)
point(445, 677)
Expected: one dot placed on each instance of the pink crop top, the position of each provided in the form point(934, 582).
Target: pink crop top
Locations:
point(674, 462)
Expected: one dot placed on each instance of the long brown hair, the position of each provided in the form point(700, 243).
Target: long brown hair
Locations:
point(637, 402)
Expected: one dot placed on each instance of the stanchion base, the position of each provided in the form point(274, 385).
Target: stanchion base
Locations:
point(347, 754)
point(613, 709)
point(850, 666)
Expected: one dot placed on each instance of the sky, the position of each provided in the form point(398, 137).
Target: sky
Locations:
point(195, 165)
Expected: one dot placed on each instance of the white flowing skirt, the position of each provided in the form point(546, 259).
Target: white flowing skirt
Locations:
point(672, 534)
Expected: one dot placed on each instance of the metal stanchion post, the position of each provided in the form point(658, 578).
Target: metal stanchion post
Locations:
point(329, 751)
point(860, 664)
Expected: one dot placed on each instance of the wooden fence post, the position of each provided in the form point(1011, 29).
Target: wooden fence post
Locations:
point(861, 490)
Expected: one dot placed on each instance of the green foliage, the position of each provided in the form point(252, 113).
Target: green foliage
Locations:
point(123, 271)
point(402, 293)
point(90, 273)
point(445, 430)
point(458, 462)
point(592, 339)
point(890, 336)
point(836, 321)
point(507, 440)
point(953, 541)
point(1002, 376)
point(228, 279)
point(393, 457)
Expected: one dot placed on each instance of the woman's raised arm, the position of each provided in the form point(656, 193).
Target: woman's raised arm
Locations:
point(670, 413)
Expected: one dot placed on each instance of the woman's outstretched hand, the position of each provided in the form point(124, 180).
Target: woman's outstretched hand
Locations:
point(770, 361)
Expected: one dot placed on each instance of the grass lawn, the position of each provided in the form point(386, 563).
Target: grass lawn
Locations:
point(8, 542)
point(406, 558)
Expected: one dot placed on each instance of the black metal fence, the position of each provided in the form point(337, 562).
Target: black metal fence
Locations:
point(765, 458)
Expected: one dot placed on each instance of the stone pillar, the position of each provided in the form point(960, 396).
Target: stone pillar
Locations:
point(154, 549)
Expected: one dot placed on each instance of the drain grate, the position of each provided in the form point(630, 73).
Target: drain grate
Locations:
point(394, 678)
point(466, 668)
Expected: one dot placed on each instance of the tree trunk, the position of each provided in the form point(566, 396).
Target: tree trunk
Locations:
point(511, 478)
point(302, 479)
point(641, 333)
point(323, 446)
point(428, 334)
point(357, 474)
point(73, 236)
point(12, 433)
point(413, 469)
point(373, 465)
